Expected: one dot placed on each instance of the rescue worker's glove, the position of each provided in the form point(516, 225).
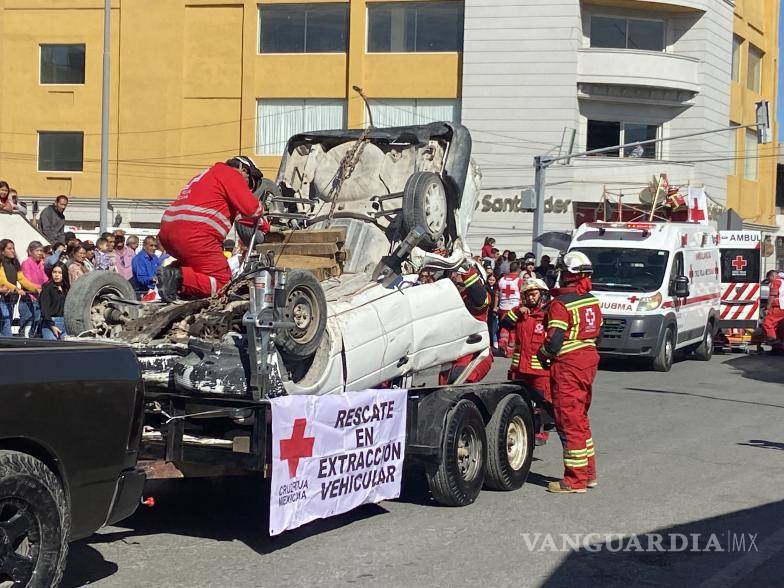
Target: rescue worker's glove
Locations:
point(544, 359)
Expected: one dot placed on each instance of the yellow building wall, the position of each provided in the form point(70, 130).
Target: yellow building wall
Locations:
point(186, 77)
point(756, 22)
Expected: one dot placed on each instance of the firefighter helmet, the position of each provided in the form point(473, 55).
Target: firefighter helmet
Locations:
point(534, 284)
point(576, 262)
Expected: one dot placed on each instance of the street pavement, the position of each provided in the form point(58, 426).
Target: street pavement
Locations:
point(688, 455)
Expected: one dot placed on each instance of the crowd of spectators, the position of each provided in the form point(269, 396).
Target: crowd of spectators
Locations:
point(37, 287)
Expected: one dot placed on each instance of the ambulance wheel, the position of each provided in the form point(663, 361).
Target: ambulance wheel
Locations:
point(306, 307)
point(704, 351)
point(425, 205)
point(510, 442)
point(88, 304)
point(461, 473)
point(663, 360)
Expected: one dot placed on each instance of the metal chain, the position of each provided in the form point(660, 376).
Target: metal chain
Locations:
point(345, 170)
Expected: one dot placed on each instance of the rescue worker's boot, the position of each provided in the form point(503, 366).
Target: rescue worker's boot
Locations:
point(169, 282)
point(559, 487)
point(592, 483)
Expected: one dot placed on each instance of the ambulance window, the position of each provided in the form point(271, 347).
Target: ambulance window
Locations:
point(677, 266)
point(741, 266)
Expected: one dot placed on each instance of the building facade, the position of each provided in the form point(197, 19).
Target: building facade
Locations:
point(541, 77)
point(199, 81)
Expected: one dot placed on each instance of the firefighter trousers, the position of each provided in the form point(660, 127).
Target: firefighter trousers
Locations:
point(571, 380)
point(507, 338)
point(772, 321)
point(541, 384)
point(199, 254)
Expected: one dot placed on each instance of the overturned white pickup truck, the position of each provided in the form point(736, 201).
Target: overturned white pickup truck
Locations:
point(400, 200)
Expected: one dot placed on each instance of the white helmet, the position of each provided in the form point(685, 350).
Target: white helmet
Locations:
point(577, 262)
point(534, 284)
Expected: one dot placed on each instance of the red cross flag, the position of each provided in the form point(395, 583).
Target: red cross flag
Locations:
point(697, 201)
point(333, 453)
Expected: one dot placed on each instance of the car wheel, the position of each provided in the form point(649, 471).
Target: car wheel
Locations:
point(510, 443)
point(267, 189)
point(459, 477)
point(306, 307)
point(34, 522)
point(663, 360)
point(87, 306)
point(425, 205)
point(704, 351)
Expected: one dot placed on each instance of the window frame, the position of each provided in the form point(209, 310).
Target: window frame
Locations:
point(372, 3)
point(754, 159)
point(38, 153)
point(758, 88)
point(267, 4)
point(303, 101)
point(626, 18)
point(622, 139)
point(41, 65)
point(736, 65)
point(457, 106)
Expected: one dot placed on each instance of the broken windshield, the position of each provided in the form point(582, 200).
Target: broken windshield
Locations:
point(636, 270)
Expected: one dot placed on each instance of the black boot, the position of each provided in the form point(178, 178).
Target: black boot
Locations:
point(169, 282)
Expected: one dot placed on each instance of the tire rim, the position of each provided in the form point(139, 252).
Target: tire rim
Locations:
point(668, 350)
point(435, 208)
point(516, 443)
point(469, 453)
point(303, 311)
point(709, 343)
point(20, 538)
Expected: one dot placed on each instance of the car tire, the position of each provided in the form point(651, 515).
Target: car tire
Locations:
point(704, 351)
point(267, 188)
point(459, 477)
point(510, 443)
point(34, 522)
point(663, 360)
point(425, 205)
point(306, 306)
point(82, 311)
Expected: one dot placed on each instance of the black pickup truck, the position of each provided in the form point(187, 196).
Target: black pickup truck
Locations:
point(70, 426)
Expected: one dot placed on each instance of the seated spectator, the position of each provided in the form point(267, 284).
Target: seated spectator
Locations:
point(6, 205)
point(104, 258)
point(19, 207)
point(77, 266)
point(15, 283)
point(123, 257)
point(145, 266)
point(53, 303)
point(29, 309)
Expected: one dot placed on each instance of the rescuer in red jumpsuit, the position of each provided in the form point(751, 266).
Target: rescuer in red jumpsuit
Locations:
point(528, 322)
point(477, 301)
point(774, 315)
point(574, 322)
point(195, 225)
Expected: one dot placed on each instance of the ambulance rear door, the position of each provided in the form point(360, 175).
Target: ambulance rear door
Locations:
point(740, 278)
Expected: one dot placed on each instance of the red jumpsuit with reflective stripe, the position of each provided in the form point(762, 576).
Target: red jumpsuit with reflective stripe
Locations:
point(573, 324)
point(477, 301)
point(775, 313)
point(195, 225)
point(529, 335)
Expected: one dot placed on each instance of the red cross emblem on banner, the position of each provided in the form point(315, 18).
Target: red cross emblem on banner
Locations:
point(297, 447)
point(697, 214)
point(739, 263)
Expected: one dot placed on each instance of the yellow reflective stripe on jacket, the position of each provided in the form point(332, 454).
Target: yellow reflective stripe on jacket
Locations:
point(555, 324)
point(515, 360)
point(535, 363)
point(471, 280)
point(511, 315)
point(576, 344)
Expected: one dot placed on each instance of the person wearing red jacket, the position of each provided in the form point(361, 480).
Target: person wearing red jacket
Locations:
point(573, 324)
point(774, 315)
point(195, 225)
point(477, 300)
point(528, 322)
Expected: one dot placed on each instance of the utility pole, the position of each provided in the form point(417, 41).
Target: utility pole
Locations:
point(104, 199)
point(542, 162)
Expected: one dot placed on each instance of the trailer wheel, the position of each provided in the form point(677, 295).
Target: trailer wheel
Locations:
point(461, 473)
point(510, 442)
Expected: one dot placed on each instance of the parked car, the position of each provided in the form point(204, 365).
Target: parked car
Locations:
point(70, 429)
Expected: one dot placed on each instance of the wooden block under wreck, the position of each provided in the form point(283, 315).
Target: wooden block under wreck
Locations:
point(321, 267)
point(307, 236)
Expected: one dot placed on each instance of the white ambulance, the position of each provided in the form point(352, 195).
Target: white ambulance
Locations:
point(740, 279)
point(658, 285)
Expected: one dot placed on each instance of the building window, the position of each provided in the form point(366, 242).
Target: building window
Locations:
point(279, 120)
point(732, 167)
point(751, 159)
point(303, 28)
point(59, 151)
point(602, 134)
point(627, 33)
point(754, 79)
point(737, 43)
point(398, 113)
point(62, 64)
point(411, 27)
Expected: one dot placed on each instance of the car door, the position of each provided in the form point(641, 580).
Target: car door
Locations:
point(678, 304)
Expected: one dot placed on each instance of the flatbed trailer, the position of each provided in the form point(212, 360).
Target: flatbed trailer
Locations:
point(464, 437)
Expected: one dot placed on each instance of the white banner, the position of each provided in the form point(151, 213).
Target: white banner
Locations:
point(333, 453)
point(698, 205)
